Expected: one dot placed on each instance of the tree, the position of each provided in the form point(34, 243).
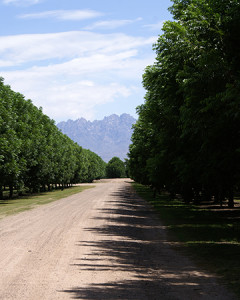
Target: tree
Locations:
point(187, 137)
point(115, 168)
point(34, 154)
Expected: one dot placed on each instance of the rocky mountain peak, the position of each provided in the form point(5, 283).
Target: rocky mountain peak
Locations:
point(108, 137)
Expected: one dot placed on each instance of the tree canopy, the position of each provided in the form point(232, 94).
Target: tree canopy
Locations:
point(186, 139)
point(34, 154)
point(115, 168)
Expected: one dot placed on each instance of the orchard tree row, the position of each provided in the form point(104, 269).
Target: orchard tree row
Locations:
point(34, 154)
point(115, 168)
point(187, 138)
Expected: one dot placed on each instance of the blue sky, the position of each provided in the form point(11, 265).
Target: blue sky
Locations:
point(78, 58)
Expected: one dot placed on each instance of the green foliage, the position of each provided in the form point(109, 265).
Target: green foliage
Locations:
point(115, 168)
point(34, 154)
point(94, 166)
point(186, 139)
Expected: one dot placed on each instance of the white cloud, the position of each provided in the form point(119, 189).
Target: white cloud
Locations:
point(62, 98)
point(64, 15)
point(69, 74)
point(21, 49)
point(75, 88)
point(113, 24)
point(157, 26)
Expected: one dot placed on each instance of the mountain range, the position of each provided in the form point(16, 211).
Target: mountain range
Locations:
point(108, 137)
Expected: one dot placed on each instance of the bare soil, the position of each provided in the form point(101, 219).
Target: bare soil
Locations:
point(103, 243)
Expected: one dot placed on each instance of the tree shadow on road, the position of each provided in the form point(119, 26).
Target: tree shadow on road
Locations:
point(133, 243)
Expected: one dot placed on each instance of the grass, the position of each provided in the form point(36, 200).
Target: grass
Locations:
point(26, 202)
point(210, 235)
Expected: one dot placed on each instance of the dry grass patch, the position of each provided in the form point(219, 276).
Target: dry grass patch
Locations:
point(26, 202)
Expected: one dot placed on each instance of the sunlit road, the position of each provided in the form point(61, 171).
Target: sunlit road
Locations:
point(103, 243)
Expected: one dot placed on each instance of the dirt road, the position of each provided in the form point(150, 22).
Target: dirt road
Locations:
point(103, 243)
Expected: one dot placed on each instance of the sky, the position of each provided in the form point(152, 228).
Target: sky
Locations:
point(80, 58)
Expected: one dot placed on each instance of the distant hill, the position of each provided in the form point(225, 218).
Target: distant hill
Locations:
point(108, 137)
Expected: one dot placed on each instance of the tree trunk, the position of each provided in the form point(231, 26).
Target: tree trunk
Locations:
point(231, 199)
point(187, 195)
point(197, 198)
point(219, 196)
point(154, 192)
point(1, 192)
point(10, 191)
point(207, 196)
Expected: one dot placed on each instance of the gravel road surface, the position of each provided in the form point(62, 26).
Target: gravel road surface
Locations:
point(103, 243)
